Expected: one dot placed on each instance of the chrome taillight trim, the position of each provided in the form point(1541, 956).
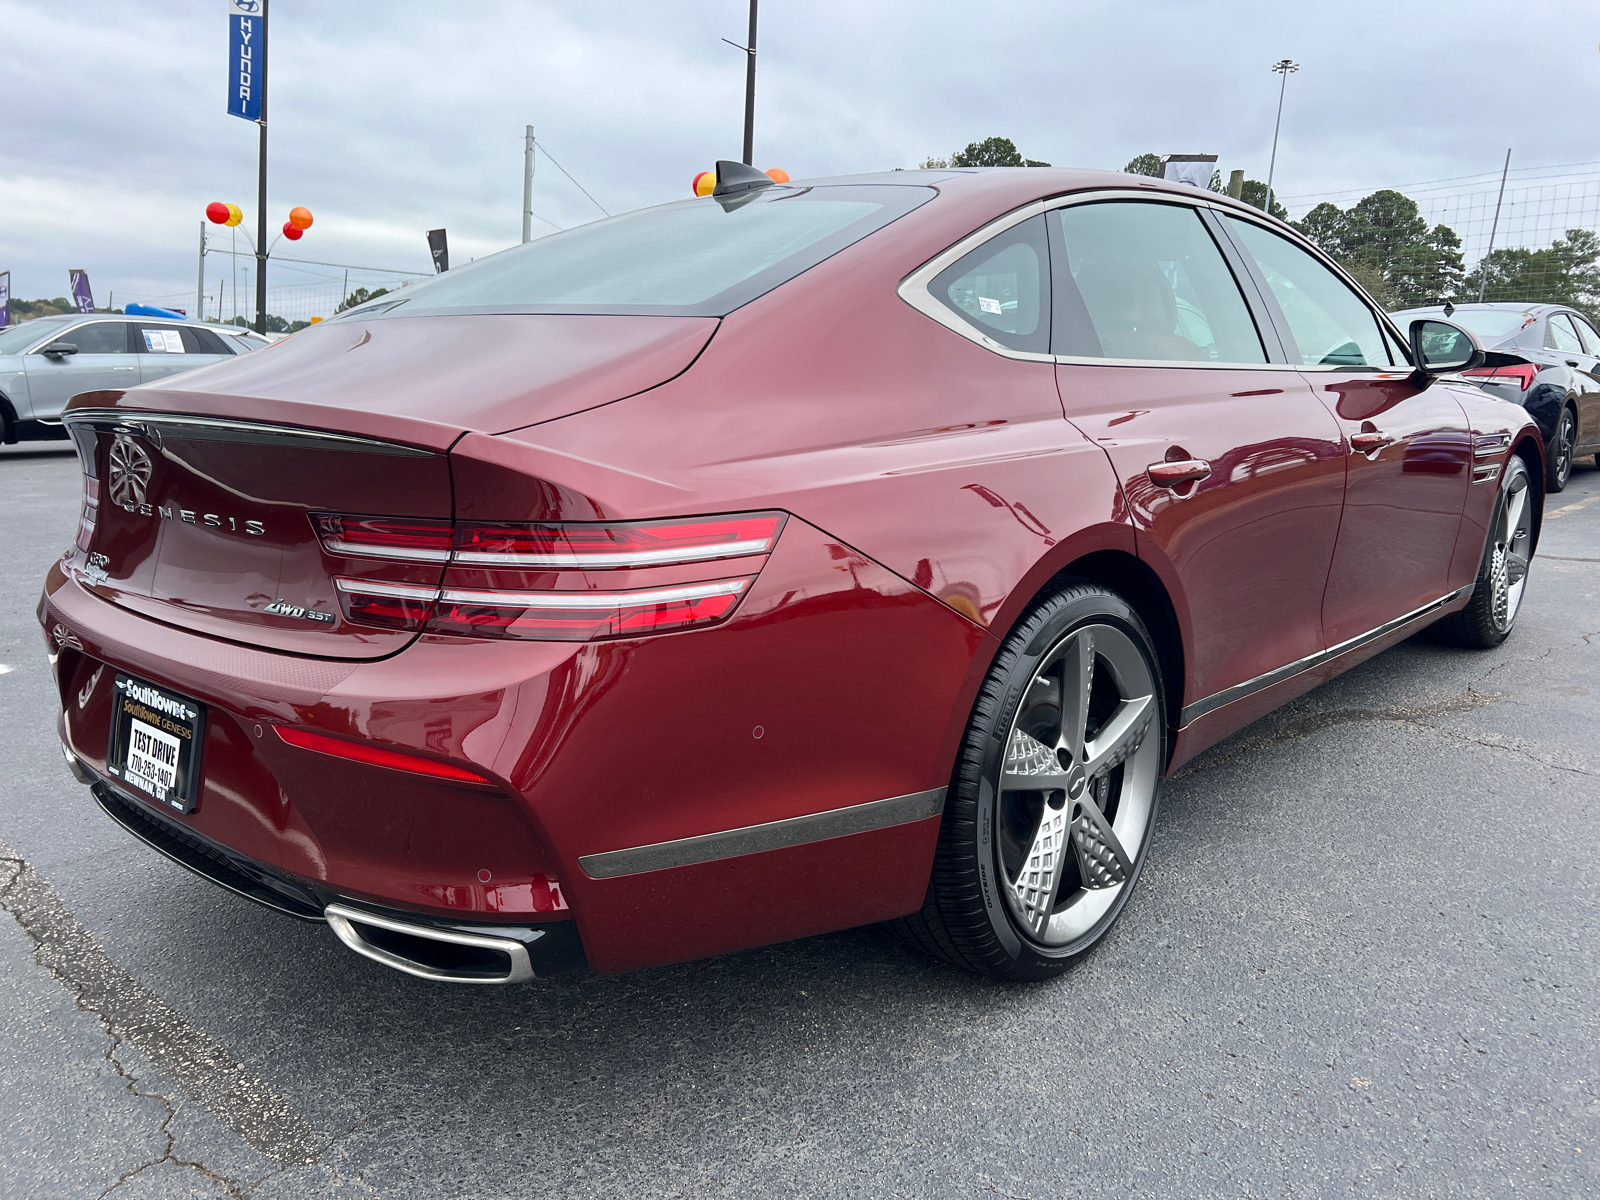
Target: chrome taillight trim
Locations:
point(622, 558)
point(594, 600)
point(405, 553)
point(397, 591)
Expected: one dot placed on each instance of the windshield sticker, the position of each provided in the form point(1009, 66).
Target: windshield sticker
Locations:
point(989, 306)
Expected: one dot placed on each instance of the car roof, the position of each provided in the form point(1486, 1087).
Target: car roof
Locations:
point(1487, 306)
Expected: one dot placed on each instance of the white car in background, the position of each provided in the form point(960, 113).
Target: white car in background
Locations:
point(46, 361)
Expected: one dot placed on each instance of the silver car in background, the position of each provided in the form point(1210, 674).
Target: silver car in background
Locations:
point(46, 361)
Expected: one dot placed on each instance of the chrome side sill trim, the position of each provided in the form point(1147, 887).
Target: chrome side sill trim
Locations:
point(1200, 708)
point(773, 835)
point(217, 429)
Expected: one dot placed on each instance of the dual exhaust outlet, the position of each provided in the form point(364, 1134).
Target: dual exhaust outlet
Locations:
point(431, 952)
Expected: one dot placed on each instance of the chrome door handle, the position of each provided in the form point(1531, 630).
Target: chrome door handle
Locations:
point(1369, 441)
point(124, 368)
point(1172, 474)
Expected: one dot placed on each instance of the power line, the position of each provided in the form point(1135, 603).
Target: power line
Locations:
point(575, 183)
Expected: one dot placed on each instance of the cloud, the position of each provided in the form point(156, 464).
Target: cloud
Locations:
point(388, 119)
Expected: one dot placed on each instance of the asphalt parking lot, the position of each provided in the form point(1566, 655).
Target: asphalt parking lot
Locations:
point(1363, 961)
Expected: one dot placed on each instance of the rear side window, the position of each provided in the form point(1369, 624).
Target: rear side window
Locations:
point(1561, 335)
point(101, 337)
point(177, 339)
point(1331, 324)
point(1138, 280)
point(1002, 287)
point(1591, 339)
point(700, 257)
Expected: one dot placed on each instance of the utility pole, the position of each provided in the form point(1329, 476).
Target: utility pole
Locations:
point(1483, 263)
point(527, 184)
point(261, 190)
point(1285, 68)
point(200, 285)
point(749, 87)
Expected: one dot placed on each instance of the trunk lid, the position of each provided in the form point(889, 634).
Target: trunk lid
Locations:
point(206, 488)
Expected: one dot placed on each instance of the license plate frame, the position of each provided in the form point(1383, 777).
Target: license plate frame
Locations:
point(156, 738)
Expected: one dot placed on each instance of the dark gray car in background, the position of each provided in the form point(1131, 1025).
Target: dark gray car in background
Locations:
point(46, 361)
point(1546, 357)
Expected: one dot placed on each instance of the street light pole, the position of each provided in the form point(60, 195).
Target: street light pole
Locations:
point(1283, 67)
point(527, 184)
point(261, 190)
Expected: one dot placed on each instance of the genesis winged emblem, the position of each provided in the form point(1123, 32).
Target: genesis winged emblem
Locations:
point(130, 471)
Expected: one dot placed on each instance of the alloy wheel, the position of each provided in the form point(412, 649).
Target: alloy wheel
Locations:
point(1561, 456)
point(1077, 784)
point(1508, 566)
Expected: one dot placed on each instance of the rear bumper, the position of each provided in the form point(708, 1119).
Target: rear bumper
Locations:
point(684, 769)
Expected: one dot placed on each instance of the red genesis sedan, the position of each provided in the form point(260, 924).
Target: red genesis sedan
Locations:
point(778, 561)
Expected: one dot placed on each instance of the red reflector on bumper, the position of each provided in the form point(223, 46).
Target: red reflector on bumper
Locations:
point(377, 756)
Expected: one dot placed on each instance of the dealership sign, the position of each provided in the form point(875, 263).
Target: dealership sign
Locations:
point(81, 295)
point(247, 41)
point(5, 298)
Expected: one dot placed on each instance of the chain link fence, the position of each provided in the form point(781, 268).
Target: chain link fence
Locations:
point(1461, 240)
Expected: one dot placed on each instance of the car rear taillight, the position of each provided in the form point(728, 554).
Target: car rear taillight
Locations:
point(603, 546)
point(505, 580)
point(395, 538)
point(583, 616)
point(1521, 374)
point(91, 512)
point(390, 605)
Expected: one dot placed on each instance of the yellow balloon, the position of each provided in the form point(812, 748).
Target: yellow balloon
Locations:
point(235, 215)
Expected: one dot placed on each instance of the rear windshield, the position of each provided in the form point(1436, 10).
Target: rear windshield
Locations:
point(699, 257)
point(18, 338)
point(1490, 324)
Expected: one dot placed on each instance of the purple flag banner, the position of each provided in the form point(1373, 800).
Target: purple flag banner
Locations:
point(5, 299)
point(81, 295)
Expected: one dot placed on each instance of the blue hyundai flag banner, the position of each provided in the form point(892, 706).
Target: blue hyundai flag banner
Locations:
point(81, 295)
point(247, 35)
point(5, 298)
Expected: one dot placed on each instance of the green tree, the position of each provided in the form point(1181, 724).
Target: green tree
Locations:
point(992, 152)
point(1254, 193)
point(1144, 164)
point(1384, 241)
point(1565, 272)
point(359, 296)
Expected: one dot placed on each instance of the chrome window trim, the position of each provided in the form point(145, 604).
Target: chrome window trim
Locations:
point(219, 429)
point(771, 835)
point(913, 289)
point(1192, 712)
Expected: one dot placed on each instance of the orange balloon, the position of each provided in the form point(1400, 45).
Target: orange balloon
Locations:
point(235, 215)
point(704, 183)
point(778, 175)
point(300, 218)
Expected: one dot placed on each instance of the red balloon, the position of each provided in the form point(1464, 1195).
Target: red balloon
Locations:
point(217, 212)
point(293, 234)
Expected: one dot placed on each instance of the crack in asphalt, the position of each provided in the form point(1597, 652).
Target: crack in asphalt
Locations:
point(129, 1011)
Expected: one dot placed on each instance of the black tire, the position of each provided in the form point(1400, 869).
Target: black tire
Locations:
point(968, 918)
point(1491, 614)
point(1558, 454)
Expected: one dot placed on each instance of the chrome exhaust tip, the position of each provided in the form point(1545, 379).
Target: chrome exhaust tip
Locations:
point(429, 952)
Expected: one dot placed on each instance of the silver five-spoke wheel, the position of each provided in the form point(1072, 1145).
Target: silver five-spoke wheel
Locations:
point(1077, 783)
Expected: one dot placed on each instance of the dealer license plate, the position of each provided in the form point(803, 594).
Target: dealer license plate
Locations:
point(155, 742)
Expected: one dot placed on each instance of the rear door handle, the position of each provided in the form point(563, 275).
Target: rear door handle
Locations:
point(1369, 441)
point(1185, 470)
point(124, 368)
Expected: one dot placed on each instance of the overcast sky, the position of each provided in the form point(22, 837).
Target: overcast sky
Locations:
point(389, 118)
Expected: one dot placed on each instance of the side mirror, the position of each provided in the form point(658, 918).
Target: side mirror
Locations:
point(1443, 348)
point(57, 349)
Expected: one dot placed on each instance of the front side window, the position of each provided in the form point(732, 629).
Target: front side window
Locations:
point(691, 258)
point(17, 338)
point(1561, 335)
point(99, 337)
point(1146, 281)
point(1002, 287)
point(1330, 323)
